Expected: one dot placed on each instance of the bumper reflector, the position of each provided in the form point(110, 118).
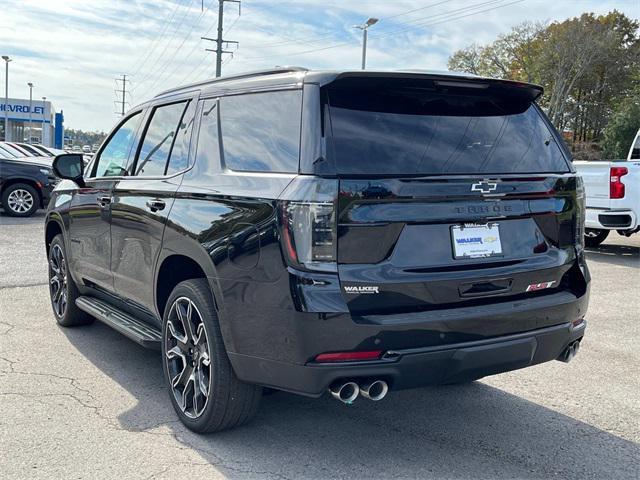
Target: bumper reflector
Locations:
point(348, 356)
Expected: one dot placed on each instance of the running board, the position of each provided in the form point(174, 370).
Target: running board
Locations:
point(137, 330)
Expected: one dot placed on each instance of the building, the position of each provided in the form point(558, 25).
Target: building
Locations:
point(21, 125)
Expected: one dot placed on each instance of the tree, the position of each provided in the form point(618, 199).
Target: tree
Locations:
point(586, 65)
point(621, 129)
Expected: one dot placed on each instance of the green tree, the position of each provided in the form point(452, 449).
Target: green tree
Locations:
point(586, 65)
point(622, 129)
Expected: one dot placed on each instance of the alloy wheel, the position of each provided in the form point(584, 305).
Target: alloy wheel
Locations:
point(187, 357)
point(58, 280)
point(20, 200)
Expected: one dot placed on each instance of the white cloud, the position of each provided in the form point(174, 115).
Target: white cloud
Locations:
point(73, 50)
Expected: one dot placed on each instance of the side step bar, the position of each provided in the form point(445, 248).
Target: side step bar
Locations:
point(137, 330)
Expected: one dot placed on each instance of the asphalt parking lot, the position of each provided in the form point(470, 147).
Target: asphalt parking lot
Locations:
point(88, 403)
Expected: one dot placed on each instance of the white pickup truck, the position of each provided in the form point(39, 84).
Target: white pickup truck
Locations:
point(613, 195)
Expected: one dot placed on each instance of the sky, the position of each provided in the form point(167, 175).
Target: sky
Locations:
point(73, 50)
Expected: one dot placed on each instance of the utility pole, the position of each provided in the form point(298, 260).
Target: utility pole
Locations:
point(6, 97)
point(364, 27)
point(30, 110)
point(123, 102)
point(219, 40)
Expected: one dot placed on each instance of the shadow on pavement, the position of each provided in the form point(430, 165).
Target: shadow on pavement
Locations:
point(623, 255)
point(459, 431)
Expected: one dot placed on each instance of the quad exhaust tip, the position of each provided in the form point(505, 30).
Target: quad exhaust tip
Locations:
point(570, 352)
point(374, 390)
point(346, 392)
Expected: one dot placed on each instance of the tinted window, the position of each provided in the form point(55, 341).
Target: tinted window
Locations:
point(114, 156)
point(179, 159)
point(413, 131)
point(158, 139)
point(261, 131)
point(208, 152)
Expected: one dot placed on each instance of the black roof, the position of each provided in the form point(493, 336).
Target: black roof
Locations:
point(292, 75)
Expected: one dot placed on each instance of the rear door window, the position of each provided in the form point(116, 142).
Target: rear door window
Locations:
point(409, 131)
point(159, 139)
point(261, 131)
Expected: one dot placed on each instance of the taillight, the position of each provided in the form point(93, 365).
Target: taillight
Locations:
point(580, 213)
point(308, 223)
point(616, 187)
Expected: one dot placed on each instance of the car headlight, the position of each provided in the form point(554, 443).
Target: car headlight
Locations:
point(46, 171)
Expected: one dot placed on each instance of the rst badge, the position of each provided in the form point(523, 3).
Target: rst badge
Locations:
point(534, 287)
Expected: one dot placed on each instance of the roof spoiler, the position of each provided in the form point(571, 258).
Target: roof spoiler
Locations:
point(491, 86)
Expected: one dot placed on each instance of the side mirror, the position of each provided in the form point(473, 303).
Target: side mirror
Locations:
point(69, 166)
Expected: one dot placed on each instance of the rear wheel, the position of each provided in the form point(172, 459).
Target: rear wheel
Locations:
point(204, 390)
point(594, 237)
point(20, 200)
point(62, 288)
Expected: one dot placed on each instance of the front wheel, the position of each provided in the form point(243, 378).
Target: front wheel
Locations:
point(594, 237)
point(204, 390)
point(62, 288)
point(20, 200)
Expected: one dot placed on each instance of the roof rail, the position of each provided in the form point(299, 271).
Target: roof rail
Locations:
point(253, 73)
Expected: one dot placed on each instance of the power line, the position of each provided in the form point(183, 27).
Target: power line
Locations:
point(165, 65)
point(315, 39)
point(158, 38)
point(173, 35)
point(453, 15)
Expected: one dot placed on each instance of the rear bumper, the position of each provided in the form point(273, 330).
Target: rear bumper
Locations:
point(606, 219)
point(417, 367)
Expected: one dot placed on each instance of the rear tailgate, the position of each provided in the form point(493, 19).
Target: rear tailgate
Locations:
point(409, 245)
point(595, 176)
point(451, 194)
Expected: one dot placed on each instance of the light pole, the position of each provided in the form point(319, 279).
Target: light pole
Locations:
point(6, 97)
point(364, 27)
point(30, 110)
point(44, 109)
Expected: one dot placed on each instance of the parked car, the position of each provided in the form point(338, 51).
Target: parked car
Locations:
point(25, 184)
point(7, 152)
point(613, 196)
point(311, 231)
point(22, 152)
point(31, 149)
point(86, 149)
point(94, 148)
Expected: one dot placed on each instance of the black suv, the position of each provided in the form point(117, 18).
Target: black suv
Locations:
point(25, 184)
point(312, 230)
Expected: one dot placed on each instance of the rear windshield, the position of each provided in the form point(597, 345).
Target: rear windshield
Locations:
point(431, 131)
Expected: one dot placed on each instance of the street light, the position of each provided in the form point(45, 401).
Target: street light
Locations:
point(364, 27)
point(30, 110)
point(6, 97)
point(44, 108)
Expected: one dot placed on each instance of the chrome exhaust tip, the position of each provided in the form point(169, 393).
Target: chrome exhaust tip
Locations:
point(570, 352)
point(346, 392)
point(374, 390)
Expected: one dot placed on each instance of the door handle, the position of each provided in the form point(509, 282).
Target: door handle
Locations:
point(155, 205)
point(104, 201)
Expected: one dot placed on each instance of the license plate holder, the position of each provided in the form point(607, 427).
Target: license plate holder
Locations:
point(472, 240)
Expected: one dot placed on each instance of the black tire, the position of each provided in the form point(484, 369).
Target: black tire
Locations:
point(20, 200)
point(228, 402)
point(594, 237)
point(62, 288)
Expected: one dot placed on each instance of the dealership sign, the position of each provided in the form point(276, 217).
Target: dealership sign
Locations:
point(18, 109)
